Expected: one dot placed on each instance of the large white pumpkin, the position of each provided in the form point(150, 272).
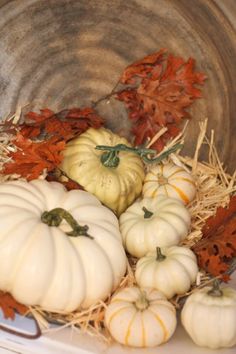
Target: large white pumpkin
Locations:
point(42, 264)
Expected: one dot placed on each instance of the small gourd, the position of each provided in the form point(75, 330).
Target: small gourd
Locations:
point(154, 222)
point(140, 317)
point(58, 249)
point(171, 180)
point(171, 270)
point(209, 317)
point(114, 176)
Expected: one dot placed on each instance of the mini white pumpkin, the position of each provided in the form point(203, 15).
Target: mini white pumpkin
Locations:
point(153, 222)
point(171, 270)
point(209, 317)
point(140, 317)
point(42, 262)
point(115, 177)
point(171, 180)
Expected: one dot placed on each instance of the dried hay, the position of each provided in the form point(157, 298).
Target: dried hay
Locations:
point(214, 188)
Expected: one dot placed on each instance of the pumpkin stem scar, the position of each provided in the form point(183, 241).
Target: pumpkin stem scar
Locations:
point(147, 214)
point(110, 157)
point(160, 257)
point(215, 290)
point(55, 216)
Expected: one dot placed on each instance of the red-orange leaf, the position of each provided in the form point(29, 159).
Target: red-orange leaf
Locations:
point(32, 158)
point(218, 245)
point(9, 306)
point(65, 125)
point(41, 138)
point(163, 87)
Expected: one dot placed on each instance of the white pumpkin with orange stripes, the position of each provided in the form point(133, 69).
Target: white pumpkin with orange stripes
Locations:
point(140, 317)
point(171, 180)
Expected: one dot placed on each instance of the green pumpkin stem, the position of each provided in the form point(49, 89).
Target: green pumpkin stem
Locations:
point(142, 303)
point(215, 290)
point(160, 257)
point(55, 216)
point(147, 214)
point(110, 157)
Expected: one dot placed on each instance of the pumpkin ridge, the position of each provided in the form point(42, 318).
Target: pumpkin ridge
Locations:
point(20, 254)
point(14, 188)
point(143, 332)
point(174, 264)
point(76, 256)
point(161, 323)
point(129, 328)
point(117, 312)
point(184, 179)
point(166, 190)
point(35, 207)
point(175, 172)
point(27, 246)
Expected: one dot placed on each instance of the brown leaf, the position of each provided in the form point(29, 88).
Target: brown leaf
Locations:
point(9, 306)
point(163, 87)
point(218, 244)
point(58, 176)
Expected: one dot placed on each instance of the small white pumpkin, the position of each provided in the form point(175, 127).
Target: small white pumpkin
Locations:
point(114, 177)
point(209, 317)
point(171, 180)
point(42, 262)
point(154, 222)
point(171, 270)
point(140, 317)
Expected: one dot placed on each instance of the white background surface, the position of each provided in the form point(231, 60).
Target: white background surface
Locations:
point(68, 341)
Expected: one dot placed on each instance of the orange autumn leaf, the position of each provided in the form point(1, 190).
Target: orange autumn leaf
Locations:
point(160, 89)
point(9, 306)
point(217, 248)
point(65, 125)
point(32, 158)
point(41, 138)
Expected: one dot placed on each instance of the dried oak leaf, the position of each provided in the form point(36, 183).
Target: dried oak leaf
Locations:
point(57, 176)
point(218, 244)
point(160, 89)
point(65, 125)
point(9, 306)
point(41, 138)
point(32, 158)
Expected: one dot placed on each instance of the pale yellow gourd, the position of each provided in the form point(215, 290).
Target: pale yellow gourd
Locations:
point(58, 249)
point(115, 177)
point(171, 180)
point(209, 317)
point(153, 222)
point(140, 317)
point(171, 270)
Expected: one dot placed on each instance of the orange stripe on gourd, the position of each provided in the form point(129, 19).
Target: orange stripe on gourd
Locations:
point(182, 195)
